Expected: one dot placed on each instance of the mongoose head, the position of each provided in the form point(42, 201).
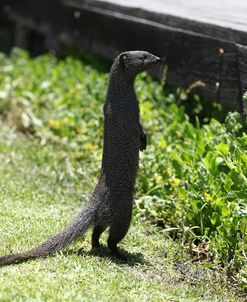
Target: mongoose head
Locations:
point(134, 62)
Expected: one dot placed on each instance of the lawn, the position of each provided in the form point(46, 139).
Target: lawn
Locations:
point(37, 200)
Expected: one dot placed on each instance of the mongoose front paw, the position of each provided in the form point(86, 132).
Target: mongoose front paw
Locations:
point(143, 141)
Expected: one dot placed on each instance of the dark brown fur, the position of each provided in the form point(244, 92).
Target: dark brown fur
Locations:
point(111, 202)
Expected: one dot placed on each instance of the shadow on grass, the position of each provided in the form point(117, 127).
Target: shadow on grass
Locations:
point(104, 252)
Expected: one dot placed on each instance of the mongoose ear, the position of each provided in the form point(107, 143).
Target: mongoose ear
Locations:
point(123, 60)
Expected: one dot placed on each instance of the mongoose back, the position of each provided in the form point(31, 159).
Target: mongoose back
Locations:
point(111, 201)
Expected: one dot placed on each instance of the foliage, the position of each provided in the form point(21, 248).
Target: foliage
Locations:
point(193, 178)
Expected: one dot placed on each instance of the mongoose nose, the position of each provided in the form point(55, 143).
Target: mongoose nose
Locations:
point(157, 59)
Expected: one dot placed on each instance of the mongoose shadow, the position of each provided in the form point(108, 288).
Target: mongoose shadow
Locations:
point(111, 203)
point(103, 252)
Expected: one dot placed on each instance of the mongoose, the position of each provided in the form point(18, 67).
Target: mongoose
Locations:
point(111, 201)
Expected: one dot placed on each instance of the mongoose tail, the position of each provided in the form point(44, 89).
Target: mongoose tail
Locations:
point(70, 233)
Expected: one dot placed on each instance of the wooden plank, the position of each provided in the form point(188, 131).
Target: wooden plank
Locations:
point(216, 18)
point(230, 13)
point(190, 56)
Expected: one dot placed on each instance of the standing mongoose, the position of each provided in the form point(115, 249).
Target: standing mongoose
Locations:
point(111, 201)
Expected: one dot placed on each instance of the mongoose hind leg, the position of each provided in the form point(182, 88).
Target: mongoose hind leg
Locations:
point(97, 231)
point(117, 233)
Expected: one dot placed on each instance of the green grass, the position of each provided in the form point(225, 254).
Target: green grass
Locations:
point(36, 201)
